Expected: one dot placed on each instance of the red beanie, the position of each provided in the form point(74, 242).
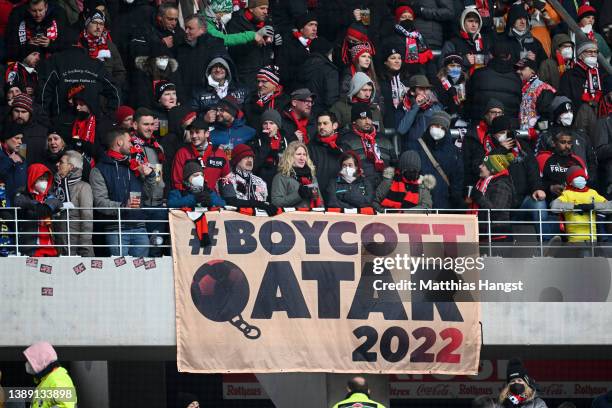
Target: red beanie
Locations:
point(357, 50)
point(240, 152)
point(123, 112)
point(586, 10)
point(401, 10)
point(573, 172)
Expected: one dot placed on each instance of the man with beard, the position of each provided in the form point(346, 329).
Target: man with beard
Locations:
point(230, 128)
point(324, 150)
point(375, 151)
point(296, 118)
point(34, 133)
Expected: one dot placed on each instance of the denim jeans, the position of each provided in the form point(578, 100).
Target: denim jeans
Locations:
point(549, 228)
point(134, 242)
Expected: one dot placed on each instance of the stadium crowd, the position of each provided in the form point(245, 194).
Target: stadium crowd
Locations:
point(135, 106)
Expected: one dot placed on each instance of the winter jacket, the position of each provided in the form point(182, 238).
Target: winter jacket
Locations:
point(248, 58)
point(74, 66)
point(150, 40)
point(498, 196)
point(291, 57)
point(572, 85)
point(342, 194)
point(426, 184)
point(285, 192)
point(131, 21)
point(549, 69)
point(603, 146)
point(392, 115)
point(497, 80)
point(284, 13)
point(449, 97)
point(352, 141)
point(37, 239)
point(35, 136)
point(320, 76)
point(79, 241)
point(414, 123)
point(448, 157)
point(114, 65)
point(326, 161)
point(205, 97)
point(145, 75)
point(193, 60)
point(289, 127)
point(431, 17)
point(238, 133)
point(464, 44)
point(217, 166)
point(220, 32)
point(524, 44)
point(342, 110)
point(580, 226)
point(266, 160)
point(111, 183)
point(253, 111)
point(12, 175)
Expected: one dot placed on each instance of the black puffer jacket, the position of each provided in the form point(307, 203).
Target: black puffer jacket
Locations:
point(326, 161)
point(193, 60)
point(358, 194)
point(497, 80)
point(204, 97)
point(526, 42)
point(320, 76)
point(431, 17)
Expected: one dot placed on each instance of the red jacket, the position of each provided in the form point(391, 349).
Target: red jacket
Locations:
point(216, 166)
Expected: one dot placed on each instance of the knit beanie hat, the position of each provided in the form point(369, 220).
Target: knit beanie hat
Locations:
point(123, 112)
point(585, 45)
point(273, 116)
point(357, 50)
point(560, 105)
point(498, 162)
point(163, 86)
point(269, 73)
point(410, 160)
point(573, 172)
point(500, 123)
point(231, 105)
point(94, 15)
point(586, 10)
point(191, 167)
point(516, 369)
point(258, 3)
point(400, 10)
point(23, 101)
point(440, 118)
point(10, 130)
point(360, 110)
point(303, 19)
point(240, 152)
point(494, 104)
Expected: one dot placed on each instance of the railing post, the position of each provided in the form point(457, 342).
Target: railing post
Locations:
point(16, 231)
point(120, 240)
point(540, 229)
point(489, 229)
point(68, 235)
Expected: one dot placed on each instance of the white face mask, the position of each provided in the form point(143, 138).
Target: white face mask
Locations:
point(349, 172)
point(29, 369)
point(579, 182)
point(437, 133)
point(587, 28)
point(162, 63)
point(591, 61)
point(566, 118)
point(197, 181)
point(41, 186)
point(503, 137)
point(567, 52)
point(519, 32)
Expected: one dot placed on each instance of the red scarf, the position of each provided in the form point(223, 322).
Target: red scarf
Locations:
point(299, 123)
point(306, 180)
point(277, 143)
point(403, 193)
point(562, 63)
point(355, 99)
point(203, 157)
point(269, 99)
point(303, 40)
point(95, 44)
point(372, 153)
point(85, 129)
point(251, 18)
point(116, 156)
point(417, 51)
point(330, 140)
point(592, 87)
point(483, 183)
point(477, 41)
point(137, 153)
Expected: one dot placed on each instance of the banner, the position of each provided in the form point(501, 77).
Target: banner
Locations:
point(312, 292)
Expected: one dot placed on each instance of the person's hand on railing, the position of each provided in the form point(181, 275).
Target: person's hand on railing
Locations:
point(68, 206)
point(270, 209)
point(585, 207)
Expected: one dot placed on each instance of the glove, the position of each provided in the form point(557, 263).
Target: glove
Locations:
point(203, 198)
point(388, 172)
point(270, 209)
point(68, 206)
point(305, 192)
point(266, 31)
point(584, 207)
point(278, 40)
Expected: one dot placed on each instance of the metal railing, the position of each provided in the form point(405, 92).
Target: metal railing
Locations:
point(528, 236)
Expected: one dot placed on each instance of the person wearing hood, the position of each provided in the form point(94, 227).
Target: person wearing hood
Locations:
point(451, 84)
point(38, 203)
point(448, 169)
point(319, 74)
point(393, 82)
point(149, 70)
point(269, 145)
point(324, 149)
point(494, 191)
point(24, 71)
point(420, 104)
point(536, 99)
point(519, 38)
point(99, 45)
point(229, 126)
point(350, 188)
point(375, 151)
point(586, 21)
point(362, 91)
point(195, 192)
point(520, 390)
point(217, 83)
point(77, 201)
point(297, 47)
point(407, 188)
point(34, 132)
point(472, 45)
point(269, 95)
point(561, 60)
point(41, 362)
point(242, 188)
point(498, 80)
point(577, 202)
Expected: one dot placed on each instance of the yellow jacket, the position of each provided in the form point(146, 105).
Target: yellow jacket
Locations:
point(580, 226)
point(58, 378)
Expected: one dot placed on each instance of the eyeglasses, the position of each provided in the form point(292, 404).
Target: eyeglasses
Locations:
point(590, 52)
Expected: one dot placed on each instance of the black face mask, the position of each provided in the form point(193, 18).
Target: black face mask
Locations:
point(517, 388)
point(82, 115)
point(410, 174)
point(407, 25)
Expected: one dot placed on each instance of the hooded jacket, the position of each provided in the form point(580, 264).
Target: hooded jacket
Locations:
point(193, 60)
point(40, 207)
point(205, 97)
point(460, 45)
point(526, 42)
point(238, 133)
point(13, 175)
point(549, 69)
point(144, 77)
point(342, 108)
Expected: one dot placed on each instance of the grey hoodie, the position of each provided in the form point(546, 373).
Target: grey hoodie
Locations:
point(358, 81)
point(214, 62)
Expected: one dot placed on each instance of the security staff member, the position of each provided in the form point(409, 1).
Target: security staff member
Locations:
point(358, 395)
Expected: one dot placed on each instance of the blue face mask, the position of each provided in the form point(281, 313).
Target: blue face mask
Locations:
point(454, 72)
point(579, 182)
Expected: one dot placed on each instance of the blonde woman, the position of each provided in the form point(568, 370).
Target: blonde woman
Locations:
point(520, 390)
point(295, 184)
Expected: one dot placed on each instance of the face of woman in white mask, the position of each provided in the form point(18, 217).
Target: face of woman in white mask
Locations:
point(436, 132)
point(566, 118)
point(162, 63)
point(567, 52)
